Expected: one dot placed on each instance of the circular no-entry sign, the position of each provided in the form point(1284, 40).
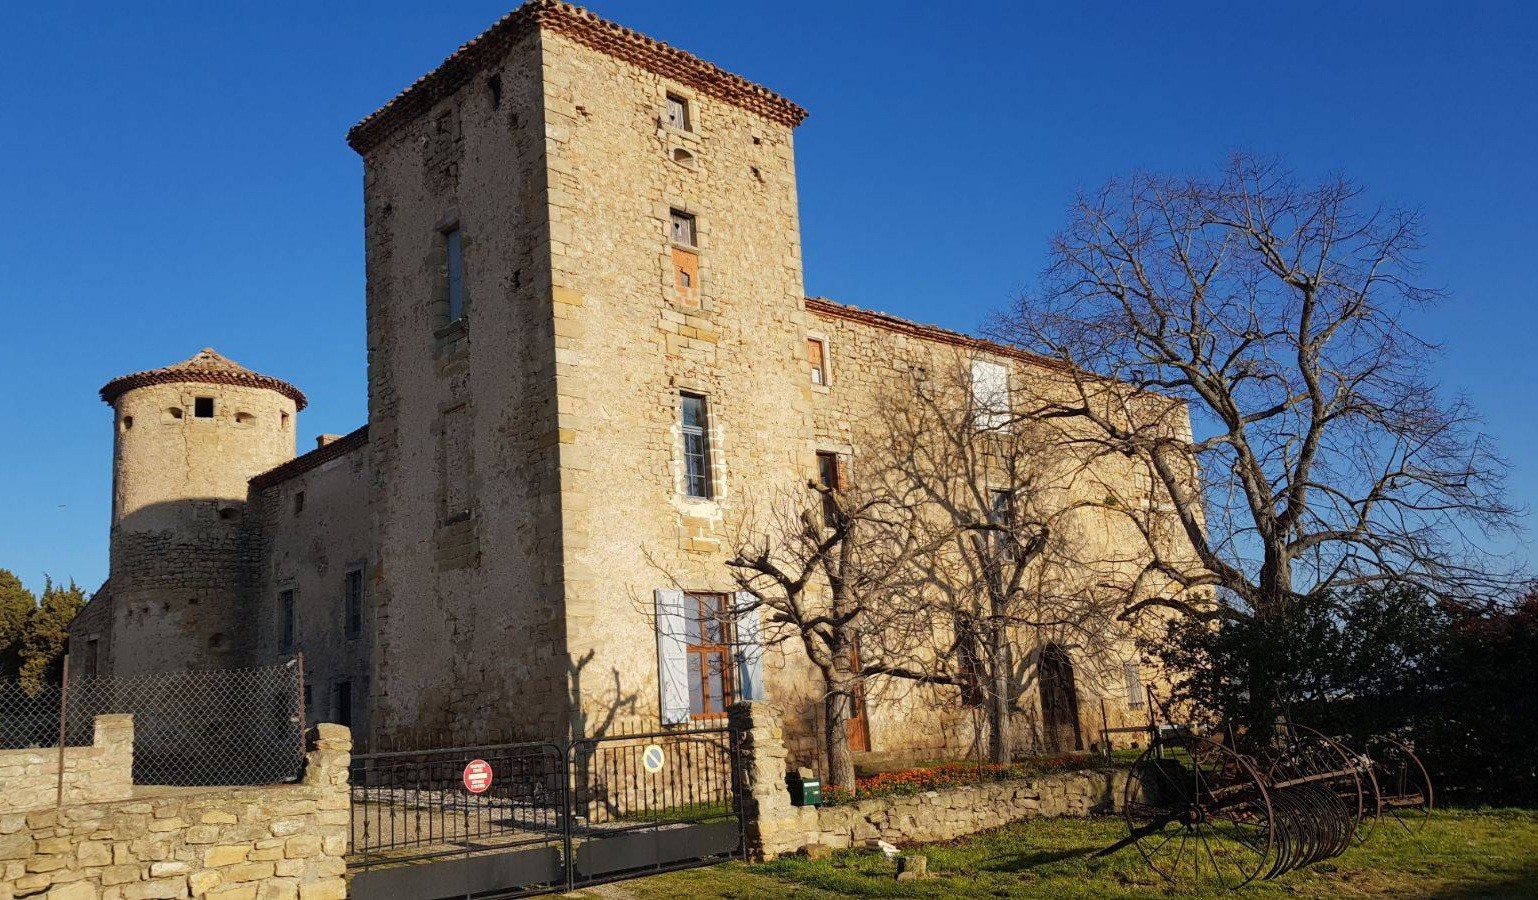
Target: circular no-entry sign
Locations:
point(477, 776)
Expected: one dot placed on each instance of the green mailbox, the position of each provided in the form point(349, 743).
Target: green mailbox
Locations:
point(805, 788)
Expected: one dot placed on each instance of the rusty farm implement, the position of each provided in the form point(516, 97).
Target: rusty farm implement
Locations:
point(1198, 807)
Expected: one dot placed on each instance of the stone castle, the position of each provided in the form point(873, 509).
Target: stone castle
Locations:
point(589, 349)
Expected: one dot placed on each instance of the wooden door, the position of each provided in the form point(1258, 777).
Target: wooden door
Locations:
point(858, 726)
point(1059, 701)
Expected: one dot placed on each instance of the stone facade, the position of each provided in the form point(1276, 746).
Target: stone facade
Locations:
point(29, 779)
point(288, 841)
point(627, 225)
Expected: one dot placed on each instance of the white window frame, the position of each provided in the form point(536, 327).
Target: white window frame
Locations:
point(989, 384)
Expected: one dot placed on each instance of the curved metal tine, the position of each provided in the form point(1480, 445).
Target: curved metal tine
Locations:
point(1281, 835)
point(1290, 821)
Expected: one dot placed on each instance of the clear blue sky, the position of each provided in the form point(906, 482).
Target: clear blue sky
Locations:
point(174, 176)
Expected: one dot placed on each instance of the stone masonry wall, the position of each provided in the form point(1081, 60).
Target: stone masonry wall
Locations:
point(178, 504)
point(775, 827)
point(249, 843)
point(955, 812)
point(312, 549)
point(462, 425)
point(630, 342)
point(29, 779)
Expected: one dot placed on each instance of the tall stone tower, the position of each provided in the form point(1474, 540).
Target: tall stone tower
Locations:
point(188, 438)
point(573, 232)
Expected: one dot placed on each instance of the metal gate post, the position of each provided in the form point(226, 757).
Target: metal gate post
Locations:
point(567, 815)
point(734, 738)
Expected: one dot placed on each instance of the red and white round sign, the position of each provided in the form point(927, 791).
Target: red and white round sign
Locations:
point(477, 776)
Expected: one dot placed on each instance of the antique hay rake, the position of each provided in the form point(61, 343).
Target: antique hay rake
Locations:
point(1196, 807)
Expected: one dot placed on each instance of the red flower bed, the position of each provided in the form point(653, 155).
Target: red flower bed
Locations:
point(947, 775)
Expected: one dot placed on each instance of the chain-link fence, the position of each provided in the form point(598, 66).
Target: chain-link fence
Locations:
point(222, 727)
point(29, 718)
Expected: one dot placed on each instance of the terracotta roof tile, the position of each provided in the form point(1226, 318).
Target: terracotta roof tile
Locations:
point(206, 367)
point(586, 28)
point(307, 461)
point(824, 306)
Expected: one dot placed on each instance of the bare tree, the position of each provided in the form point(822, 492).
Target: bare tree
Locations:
point(821, 562)
point(1008, 569)
point(1276, 314)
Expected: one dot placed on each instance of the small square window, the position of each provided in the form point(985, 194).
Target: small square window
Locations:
point(678, 113)
point(203, 407)
point(681, 228)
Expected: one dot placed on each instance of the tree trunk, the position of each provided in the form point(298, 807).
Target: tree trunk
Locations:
point(837, 704)
point(1000, 738)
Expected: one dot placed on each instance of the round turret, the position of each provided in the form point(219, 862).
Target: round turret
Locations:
point(188, 438)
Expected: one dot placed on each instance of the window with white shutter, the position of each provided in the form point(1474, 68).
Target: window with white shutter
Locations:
point(749, 649)
point(672, 656)
point(1134, 685)
point(990, 394)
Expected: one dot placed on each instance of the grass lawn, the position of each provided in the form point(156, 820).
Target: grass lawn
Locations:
point(1491, 853)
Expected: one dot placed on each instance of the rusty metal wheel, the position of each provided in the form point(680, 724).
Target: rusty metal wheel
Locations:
point(1199, 812)
point(1405, 790)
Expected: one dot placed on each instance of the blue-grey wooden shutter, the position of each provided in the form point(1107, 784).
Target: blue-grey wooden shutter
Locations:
point(672, 656)
point(749, 645)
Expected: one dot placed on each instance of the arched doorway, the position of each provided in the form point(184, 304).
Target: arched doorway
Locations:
point(1059, 701)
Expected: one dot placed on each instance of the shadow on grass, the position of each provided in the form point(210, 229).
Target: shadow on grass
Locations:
point(1521, 884)
point(1022, 862)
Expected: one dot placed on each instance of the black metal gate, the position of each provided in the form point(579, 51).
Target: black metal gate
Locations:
point(551, 817)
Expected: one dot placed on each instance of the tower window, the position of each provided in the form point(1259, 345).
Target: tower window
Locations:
point(353, 602)
point(203, 407)
point(695, 427)
point(298, 502)
point(286, 609)
point(244, 418)
point(343, 715)
point(283, 420)
point(494, 87)
point(128, 422)
point(678, 113)
point(827, 476)
point(174, 413)
point(455, 273)
point(817, 357)
point(683, 157)
point(681, 228)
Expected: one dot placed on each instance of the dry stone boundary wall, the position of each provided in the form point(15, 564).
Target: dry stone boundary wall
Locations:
point(29, 779)
point(285, 842)
point(776, 828)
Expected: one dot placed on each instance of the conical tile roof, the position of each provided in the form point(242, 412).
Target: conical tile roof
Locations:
point(206, 367)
